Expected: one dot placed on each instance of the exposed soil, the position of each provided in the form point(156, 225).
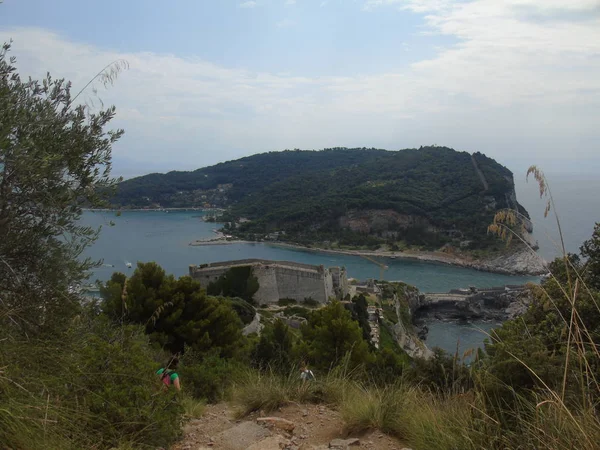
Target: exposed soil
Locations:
point(316, 427)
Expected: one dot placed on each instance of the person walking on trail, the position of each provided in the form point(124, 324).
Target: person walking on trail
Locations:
point(306, 374)
point(169, 377)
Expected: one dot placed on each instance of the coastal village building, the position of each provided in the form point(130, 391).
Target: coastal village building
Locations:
point(282, 279)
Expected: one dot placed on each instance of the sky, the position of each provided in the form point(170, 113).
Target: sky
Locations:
point(214, 80)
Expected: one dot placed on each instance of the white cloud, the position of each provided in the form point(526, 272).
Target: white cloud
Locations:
point(290, 2)
point(413, 5)
point(248, 4)
point(285, 23)
point(520, 88)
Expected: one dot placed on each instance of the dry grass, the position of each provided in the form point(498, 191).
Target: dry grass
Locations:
point(365, 408)
point(268, 391)
point(192, 408)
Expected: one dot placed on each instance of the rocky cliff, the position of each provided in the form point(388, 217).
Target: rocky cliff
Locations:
point(405, 334)
point(415, 309)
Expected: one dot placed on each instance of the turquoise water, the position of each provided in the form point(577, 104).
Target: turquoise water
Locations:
point(164, 237)
point(458, 336)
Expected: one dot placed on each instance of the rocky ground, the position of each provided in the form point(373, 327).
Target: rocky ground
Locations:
point(293, 427)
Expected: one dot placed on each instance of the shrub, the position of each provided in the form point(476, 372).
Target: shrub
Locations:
point(296, 311)
point(101, 374)
point(115, 380)
point(330, 335)
point(286, 301)
point(208, 378)
point(274, 349)
point(244, 310)
point(310, 302)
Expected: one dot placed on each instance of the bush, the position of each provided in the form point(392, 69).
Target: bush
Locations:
point(443, 373)
point(296, 311)
point(330, 335)
point(100, 374)
point(310, 302)
point(274, 348)
point(286, 301)
point(209, 378)
point(389, 365)
point(244, 310)
point(116, 381)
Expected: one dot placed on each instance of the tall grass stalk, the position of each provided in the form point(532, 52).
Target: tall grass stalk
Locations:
point(553, 421)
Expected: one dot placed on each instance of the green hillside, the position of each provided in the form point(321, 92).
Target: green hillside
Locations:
point(247, 175)
point(351, 197)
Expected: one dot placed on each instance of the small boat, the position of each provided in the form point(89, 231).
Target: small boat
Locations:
point(128, 264)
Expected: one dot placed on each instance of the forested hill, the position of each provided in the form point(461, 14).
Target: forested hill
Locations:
point(355, 197)
point(247, 175)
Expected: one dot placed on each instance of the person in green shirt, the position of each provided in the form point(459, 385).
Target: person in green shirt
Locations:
point(169, 377)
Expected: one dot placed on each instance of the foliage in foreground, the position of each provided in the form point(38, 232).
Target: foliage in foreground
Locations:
point(68, 378)
point(100, 374)
point(174, 312)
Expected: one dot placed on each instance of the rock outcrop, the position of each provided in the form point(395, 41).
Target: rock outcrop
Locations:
point(406, 337)
point(498, 304)
point(523, 262)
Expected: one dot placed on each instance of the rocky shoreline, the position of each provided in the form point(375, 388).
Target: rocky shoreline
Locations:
point(494, 304)
point(524, 262)
point(520, 263)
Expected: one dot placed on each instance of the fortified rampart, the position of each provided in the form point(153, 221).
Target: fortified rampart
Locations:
point(282, 279)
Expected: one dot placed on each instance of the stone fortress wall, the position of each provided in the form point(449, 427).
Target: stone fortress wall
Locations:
point(282, 279)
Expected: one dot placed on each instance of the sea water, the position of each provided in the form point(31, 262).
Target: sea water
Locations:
point(164, 237)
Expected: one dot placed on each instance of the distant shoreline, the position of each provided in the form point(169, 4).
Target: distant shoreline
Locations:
point(428, 257)
point(149, 209)
point(411, 255)
point(431, 257)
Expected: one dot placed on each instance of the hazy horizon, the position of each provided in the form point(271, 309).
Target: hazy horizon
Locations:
point(520, 172)
point(518, 80)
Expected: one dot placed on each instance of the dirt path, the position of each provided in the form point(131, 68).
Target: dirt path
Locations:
point(480, 173)
point(315, 428)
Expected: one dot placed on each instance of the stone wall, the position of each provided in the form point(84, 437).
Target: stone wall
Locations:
point(267, 282)
point(339, 278)
point(300, 284)
point(282, 279)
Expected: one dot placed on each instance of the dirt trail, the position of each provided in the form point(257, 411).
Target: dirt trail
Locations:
point(486, 186)
point(315, 428)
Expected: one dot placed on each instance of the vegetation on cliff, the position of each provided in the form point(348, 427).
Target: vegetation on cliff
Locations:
point(351, 197)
